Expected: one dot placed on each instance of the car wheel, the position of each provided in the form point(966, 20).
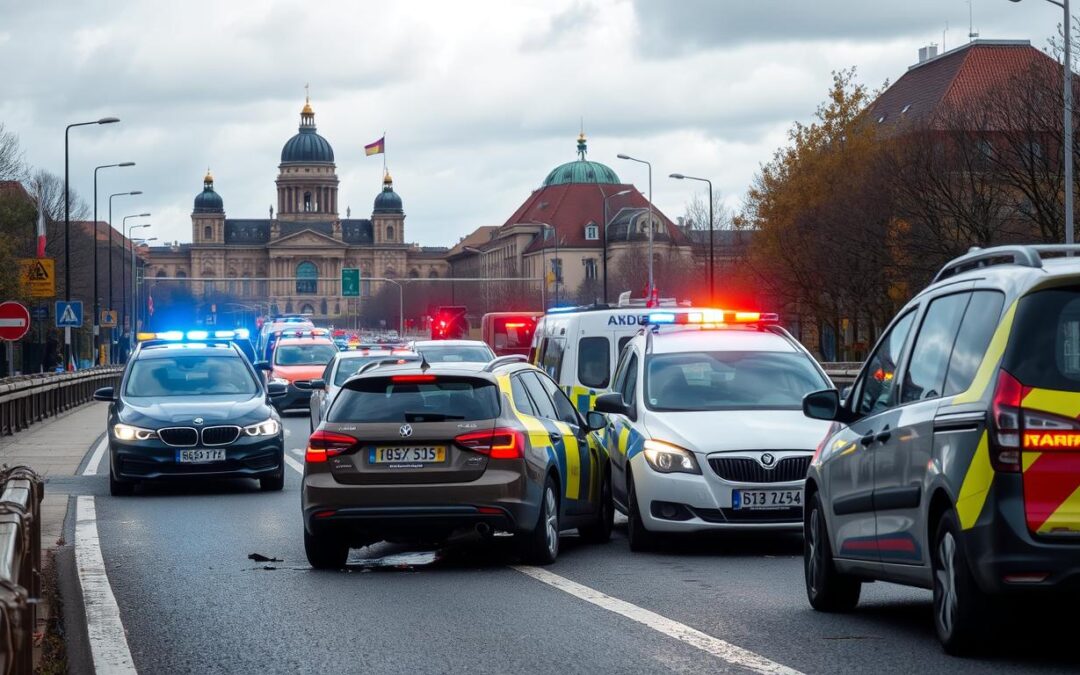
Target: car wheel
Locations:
point(541, 546)
point(641, 539)
point(119, 488)
point(960, 608)
point(276, 482)
point(600, 530)
point(827, 589)
point(325, 552)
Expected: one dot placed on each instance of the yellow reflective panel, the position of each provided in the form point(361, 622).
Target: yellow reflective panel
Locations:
point(976, 485)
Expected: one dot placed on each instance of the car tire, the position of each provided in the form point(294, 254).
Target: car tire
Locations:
point(541, 546)
point(119, 488)
point(960, 607)
point(641, 539)
point(276, 482)
point(325, 552)
point(600, 531)
point(827, 589)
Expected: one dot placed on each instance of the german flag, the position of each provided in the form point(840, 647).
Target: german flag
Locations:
point(376, 148)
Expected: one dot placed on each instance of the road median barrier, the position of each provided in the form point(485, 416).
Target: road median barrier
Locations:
point(21, 491)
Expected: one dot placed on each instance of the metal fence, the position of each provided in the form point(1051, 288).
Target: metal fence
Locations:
point(843, 373)
point(26, 399)
point(20, 566)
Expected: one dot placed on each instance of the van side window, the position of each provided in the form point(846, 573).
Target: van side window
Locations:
point(622, 343)
point(925, 376)
point(594, 362)
point(521, 397)
point(551, 354)
point(878, 378)
point(976, 330)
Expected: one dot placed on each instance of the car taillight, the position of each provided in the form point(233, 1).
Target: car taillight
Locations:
point(400, 379)
point(325, 444)
point(1005, 424)
point(501, 443)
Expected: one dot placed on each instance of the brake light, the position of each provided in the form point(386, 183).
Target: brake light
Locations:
point(500, 443)
point(412, 378)
point(325, 444)
point(1006, 423)
point(519, 324)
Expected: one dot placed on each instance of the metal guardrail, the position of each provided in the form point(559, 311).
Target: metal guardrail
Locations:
point(27, 399)
point(20, 566)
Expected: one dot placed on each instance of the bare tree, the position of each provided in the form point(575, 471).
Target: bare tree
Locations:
point(12, 164)
point(697, 212)
point(48, 189)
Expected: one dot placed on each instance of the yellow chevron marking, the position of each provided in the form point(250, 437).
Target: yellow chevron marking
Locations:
point(1065, 518)
point(976, 485)
point(624, 439)
point(1028, 458)
point(990, 361)
point(573, 460)
point(1063, 403)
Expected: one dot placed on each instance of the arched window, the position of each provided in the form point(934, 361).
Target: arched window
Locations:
point(161, 273)
point(307, 278)
point(308, 204)
point(307, 309)
point(433, 274)
point(389, 233)
point(208, 232)
point(414, 274)
point(322, 307)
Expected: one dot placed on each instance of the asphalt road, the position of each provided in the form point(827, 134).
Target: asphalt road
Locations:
point(191, 601)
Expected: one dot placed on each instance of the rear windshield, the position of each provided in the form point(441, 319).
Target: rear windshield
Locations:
point(694, 381)
point(315, 354)
point(381, 399)
point(513, 333)
point(190, 375)
point(348, 367)
point(457, 354)
point(1044, 348)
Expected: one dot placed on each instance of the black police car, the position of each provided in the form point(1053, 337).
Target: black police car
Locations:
point(192, 410)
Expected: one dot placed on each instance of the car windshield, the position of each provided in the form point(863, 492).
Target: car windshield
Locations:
point(695, 381)
point(348, 367)
point(457, 354)
point(315, 354)
point(381, 399)
point(190, 375)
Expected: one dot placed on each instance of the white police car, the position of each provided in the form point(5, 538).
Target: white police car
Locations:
point(705, 425)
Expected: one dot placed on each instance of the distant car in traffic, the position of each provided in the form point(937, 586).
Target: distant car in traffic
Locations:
point(298, 355)
point(343, 366)
point(453, 351)
point(408, 451)
point(192, 410)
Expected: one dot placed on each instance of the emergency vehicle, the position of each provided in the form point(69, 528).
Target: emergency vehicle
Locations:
point(509, 332)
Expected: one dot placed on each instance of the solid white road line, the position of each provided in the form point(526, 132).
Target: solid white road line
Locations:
point(95, 459)
point(108, 642)
point(726, 651)
point(297, 466)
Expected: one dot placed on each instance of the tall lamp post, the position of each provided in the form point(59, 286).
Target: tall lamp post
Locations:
point(606, 223)
point(97, 297)
point(111, 306)
point(648, 164)
point(135, 291)
point(67, 226)
point(557, 264)
point(126, 231)
point(1068, 151)
point(712, 267)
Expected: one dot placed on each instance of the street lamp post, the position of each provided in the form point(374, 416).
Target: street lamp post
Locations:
point(648, 164)
point(556, 267)
point(1068, 150)
point(606, 223)
point(135, 291)
point(97, 298)
point(67, 226)
point(126, 231)
point(111, 307)
point(712, 267)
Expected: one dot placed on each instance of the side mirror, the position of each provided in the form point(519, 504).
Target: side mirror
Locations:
point(263, 366)
point(105, 394)
point(611, 403)
point(318, 383)
point(822, 405)
point(594, 421)
point(276, 389)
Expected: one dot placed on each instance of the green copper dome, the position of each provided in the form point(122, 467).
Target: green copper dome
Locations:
point(582, 170)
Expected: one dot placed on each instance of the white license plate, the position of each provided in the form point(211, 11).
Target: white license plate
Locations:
point(407, 454)
point(200, 455)
point(766, 499)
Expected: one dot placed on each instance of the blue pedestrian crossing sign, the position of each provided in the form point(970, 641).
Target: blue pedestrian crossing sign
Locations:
point(69, 314)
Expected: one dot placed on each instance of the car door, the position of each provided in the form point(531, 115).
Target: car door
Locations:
point(576, 440)
point(619, 432)
point(848, 463)
point(563, 444)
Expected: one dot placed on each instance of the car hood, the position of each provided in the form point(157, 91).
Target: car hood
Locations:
point(294, 373)
point(162, 411)
point(727, 430)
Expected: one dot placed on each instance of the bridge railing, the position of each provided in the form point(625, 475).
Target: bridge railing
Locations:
point(842, 374)
point(26, 399)
point(21, 491)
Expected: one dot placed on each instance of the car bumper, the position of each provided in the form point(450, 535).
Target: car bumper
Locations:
point(501, 499)
point(293, 399)
point(703, 502)
point(245, 458)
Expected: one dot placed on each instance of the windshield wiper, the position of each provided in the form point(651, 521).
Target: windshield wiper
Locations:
point(430, 417)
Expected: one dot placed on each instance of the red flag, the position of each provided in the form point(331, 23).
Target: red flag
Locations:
point(150, 301)
point(41, 231)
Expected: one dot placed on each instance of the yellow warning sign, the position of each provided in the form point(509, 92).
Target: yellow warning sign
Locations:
point(38, 277)
point(108, 318)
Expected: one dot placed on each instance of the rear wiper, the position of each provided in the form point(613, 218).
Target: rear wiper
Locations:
point(430, 417)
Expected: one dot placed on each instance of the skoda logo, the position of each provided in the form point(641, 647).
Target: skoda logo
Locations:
point(405, 430)
point(767, 459)
point(198, 420)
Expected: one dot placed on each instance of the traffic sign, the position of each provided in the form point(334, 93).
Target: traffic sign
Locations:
point(38, 276)
point(350, 282)
point(14, 320)
point(40, 313)
point(69, 314)
point(108, 318)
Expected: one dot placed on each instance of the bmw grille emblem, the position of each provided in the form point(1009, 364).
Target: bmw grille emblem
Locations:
point(198, 420)
point(405, 430)
point(767, 459)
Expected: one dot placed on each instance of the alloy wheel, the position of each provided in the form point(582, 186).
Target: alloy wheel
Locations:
point(946, 582)
point(814, 562)
point(552, 522)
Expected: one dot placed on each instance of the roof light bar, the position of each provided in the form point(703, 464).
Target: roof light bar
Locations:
point(708, 317)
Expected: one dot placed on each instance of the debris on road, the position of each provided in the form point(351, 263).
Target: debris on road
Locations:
point(259, 557)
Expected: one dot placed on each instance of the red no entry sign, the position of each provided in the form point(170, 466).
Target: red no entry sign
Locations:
point(14, 320)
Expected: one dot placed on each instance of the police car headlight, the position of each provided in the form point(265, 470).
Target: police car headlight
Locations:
point(667, 458)
point(126, 432)
point(268, 428)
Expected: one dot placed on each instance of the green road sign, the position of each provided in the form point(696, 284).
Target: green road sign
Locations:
point(350, 282)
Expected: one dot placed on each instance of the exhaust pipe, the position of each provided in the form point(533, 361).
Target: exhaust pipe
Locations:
point(483, 529)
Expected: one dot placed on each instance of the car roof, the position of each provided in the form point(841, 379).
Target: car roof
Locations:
point(307, 339)
point(734, 339)
point(448, 343)
point(368, 353)
point(150, 351)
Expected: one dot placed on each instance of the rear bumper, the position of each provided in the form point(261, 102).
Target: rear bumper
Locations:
point(246, 458)
point(294, 399)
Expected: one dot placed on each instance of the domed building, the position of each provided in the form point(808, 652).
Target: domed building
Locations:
point(292, 260)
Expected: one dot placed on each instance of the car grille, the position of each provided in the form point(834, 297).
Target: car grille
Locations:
point(220, 435)
point(745, 470)
point(786, 515)
point(180, 437)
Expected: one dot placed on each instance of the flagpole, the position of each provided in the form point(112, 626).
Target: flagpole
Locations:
point(384, 152)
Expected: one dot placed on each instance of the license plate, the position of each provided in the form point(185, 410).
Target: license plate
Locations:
point(766, 499)
point(200, 456)
point(412, 454)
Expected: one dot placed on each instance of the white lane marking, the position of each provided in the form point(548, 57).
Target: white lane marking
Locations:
point(299, 452)
point(726, 651)
point(95, 459)
point(297, 466)
point(108, 642)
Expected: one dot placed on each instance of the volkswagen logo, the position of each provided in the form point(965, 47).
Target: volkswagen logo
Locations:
point(405, 430)
point(767, 460)
point(198, 420)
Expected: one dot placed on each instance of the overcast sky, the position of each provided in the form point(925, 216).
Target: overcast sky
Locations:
point(479, 99)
